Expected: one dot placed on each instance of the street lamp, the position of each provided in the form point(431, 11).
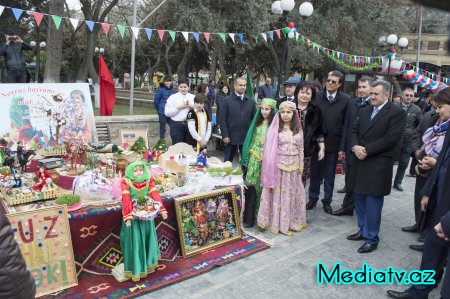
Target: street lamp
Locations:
point(42, 46)
point(391, 40)
point(283, 8)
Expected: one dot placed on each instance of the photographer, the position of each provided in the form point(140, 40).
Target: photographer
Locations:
point(12, 51)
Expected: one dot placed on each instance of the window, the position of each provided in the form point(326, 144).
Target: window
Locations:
point(433, 45)
point(415, 44)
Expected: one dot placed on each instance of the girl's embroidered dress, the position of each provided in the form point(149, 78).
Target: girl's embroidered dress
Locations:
point(138, 241)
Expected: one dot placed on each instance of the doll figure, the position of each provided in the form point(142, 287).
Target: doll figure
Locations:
point(282, 208)
point(189, 223)
point(41, 176)
point(200, 218)
point(252, 149)
point(138, 237)
point(201, 158)
point(223, 214)
point(48, 185)
point(211, 215)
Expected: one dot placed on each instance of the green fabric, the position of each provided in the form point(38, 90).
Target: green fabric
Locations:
point(129, 172)
point(140, 248)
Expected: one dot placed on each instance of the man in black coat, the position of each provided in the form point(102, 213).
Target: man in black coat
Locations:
point(289, 89)
point(236, 114)
point(436, 204)
point(374, 140)
point(333, 106)
point(353, 111)
point(12, 51)
point(266, 90)
point(16, 282)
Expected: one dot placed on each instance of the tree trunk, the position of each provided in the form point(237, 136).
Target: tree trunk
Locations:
point(87, 64)
point(181, 69)
point(166, 59)
point(213, 67)
point(54, 45)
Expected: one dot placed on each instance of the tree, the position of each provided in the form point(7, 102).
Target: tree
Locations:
point(54, 45)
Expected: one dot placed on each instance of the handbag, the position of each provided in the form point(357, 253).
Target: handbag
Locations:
point(423, 221)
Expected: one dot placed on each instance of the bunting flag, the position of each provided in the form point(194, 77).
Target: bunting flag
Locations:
point(256, 38)
point(196, 36)
point(278, 33)
point(172, 34)
point(207, 35)
point(37, 17)
point(74, 23)
point(264, 36)
point(90, 25)
point(57, 21)
point(161, 34)
point(241, 37)
point(2, 8)
point(121, 30)
point(105, 27)
point(223, 37)
point(149, 33)
point(285, 31)
point(135, 31)
point(297, 35)
point(185, 35)
point(270, 34)
point(232, 36)
point(17, 13)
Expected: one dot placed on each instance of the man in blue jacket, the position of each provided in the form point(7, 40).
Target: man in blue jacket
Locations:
point(12, 51)
point(162, 94)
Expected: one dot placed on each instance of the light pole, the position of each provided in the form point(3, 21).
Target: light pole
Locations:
point(42, 46)
point(391, 40)
point(283, 8)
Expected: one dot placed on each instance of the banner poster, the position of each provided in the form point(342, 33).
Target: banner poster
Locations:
point(44, 240)
point(37, 114)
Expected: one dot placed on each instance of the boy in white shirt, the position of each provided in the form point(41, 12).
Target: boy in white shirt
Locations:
point(199, 123)
point(177, 108)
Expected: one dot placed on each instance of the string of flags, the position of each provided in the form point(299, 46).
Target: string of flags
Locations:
point(428, 74)
point(419, 78)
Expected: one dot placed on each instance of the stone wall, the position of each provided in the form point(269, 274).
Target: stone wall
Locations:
point(134, 122)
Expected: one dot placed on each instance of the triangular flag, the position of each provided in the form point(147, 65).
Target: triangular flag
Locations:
point(172, 34)
point(37, 17)
point(270, 33)
point(303, 39)
point(149, 33)
point(90, 25)
point(297, 35)
point(135, 31)
point(231, 36)
point(241, 37)
point(264, 35)
point(196, 36)
point(161, 34)
point(278, 33)
point(207, 35)
point(223, 37)
point(1, 9)
point(121, 30)
point(256, 38)
point(285, 31)
point(74, 23)
point(57, 21)
point(17, 13)
point(105, 27)
point(185, 35)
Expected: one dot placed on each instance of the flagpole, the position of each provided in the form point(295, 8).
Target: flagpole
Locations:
point(133, 54)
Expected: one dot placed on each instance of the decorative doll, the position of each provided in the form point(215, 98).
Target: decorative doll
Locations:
point(200, 218)
point(41, 176)
point(202, 158)
point(252, 149)
point(282, 207)
point(223, 214)
point(189, 223)
point(211, 215)
point(138, 237)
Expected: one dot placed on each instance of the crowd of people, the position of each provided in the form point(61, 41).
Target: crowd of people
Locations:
point(302, 135)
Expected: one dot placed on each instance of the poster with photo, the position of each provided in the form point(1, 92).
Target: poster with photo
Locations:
point(39, 114)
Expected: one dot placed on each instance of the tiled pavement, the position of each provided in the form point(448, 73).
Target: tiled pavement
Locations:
point(288, 269)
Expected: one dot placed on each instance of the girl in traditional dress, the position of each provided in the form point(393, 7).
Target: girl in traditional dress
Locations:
point(252, 150)
point(138, 237)
point(283, 207)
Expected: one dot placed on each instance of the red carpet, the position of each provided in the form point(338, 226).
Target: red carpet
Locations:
point(106, 287)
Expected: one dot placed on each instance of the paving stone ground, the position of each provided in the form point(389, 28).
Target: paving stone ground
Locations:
point(288, 269)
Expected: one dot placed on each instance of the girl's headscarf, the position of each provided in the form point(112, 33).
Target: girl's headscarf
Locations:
point(269, 172)
point(129, 172)
point(249, 137)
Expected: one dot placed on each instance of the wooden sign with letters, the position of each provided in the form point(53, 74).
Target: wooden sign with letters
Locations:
point(44, 239)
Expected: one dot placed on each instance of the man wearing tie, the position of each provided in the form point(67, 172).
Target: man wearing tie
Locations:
point(353, 111)
point(374, 140)
point(333, 106)
point(289, 89)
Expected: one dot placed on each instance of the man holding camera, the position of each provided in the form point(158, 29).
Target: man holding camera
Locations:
point(12, 51)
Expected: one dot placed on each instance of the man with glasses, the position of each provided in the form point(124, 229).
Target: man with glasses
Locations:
point(12, 51)
point(333, 106)
point(413, 118)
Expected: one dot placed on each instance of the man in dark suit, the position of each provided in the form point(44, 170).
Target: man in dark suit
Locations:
point(266, 90)
point(436, 205)
point(289, 89)
point(374, 140)
point(353, 111)
point(236, 114)
point(333, 106)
